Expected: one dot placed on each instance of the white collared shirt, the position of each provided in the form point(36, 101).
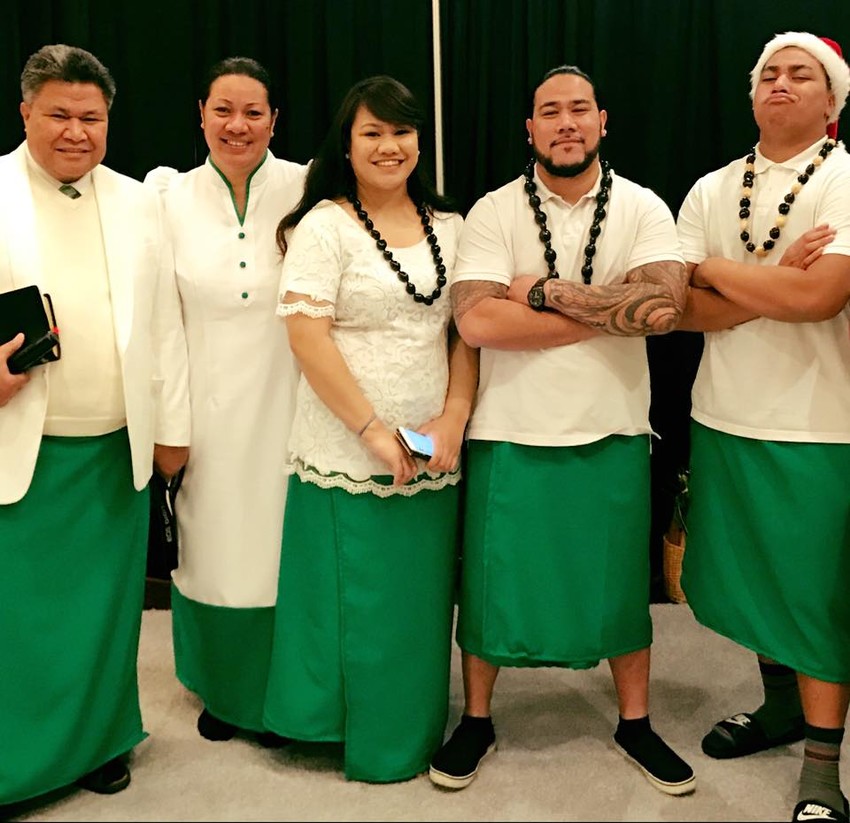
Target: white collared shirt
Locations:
point(767, 379)
point(576, 394)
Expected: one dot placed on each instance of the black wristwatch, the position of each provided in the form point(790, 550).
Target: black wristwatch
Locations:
point(536, 296)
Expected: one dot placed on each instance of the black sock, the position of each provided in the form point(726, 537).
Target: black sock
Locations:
point(819, 780)
point(630, 729)
point(481, 723)
point(781, 710)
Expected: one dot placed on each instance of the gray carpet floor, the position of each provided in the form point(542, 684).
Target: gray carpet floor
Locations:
point(555, 759)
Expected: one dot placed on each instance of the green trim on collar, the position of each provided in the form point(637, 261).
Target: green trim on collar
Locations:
point(239, 217)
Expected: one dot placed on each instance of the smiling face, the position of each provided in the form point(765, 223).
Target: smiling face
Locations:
point(382, 154)
point(238, 123)
point(66, 125)
point(566, 125)
point(792, 95)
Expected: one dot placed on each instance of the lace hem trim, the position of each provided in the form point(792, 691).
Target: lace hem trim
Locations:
point(422, 482)
point(303, 307)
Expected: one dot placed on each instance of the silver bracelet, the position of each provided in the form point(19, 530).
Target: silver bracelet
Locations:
point(368, 423)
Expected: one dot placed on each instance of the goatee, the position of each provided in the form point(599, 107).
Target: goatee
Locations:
point(566, 169)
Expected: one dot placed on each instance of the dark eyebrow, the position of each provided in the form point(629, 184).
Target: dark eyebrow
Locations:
point(794, 68)
point(580, 101)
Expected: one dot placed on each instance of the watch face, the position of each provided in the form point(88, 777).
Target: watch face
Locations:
point(536, 295)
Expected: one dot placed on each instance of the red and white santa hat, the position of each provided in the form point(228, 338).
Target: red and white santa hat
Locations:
point(827, 52)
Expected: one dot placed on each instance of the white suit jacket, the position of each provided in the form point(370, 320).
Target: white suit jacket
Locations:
point(146, 315)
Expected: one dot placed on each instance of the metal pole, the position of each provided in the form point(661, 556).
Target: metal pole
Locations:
point(438, 96)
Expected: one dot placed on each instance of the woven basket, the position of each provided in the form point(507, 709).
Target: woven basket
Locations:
point(674, 551)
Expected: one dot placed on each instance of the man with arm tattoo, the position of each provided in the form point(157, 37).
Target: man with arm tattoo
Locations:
point(768, 559)
point(561, 274)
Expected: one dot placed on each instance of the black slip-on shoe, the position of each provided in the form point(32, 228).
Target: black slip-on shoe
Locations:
point(110, 778)
point(455, 765)
point(212, 728)
point(661, 766)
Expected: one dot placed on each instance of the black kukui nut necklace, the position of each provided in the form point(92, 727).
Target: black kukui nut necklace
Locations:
point(784, 206)
point(550, 255)
point(431, 239)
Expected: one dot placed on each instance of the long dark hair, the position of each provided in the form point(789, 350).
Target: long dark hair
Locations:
point(330, 175)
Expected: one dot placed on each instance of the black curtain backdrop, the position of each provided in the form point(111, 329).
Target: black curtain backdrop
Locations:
point(159, 53)
point(672, 74)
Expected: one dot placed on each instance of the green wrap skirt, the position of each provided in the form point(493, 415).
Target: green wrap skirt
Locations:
point(767, 562)
point(362, 645)
point(555, 559)
point(71, 595)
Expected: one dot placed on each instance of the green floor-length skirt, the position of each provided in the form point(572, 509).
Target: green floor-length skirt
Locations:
point(555, 565)
point(222, 654)
point(71, 595)
point(363, 626)
point(767, 562)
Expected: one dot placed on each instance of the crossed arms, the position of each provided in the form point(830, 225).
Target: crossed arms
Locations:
point(805, 286)
point(650, 300)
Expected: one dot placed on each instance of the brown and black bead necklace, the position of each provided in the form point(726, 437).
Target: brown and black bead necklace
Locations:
point(549, 254)
point(433, 245)
point(784, 207)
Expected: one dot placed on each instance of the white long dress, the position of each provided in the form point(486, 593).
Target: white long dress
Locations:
point(242, 380)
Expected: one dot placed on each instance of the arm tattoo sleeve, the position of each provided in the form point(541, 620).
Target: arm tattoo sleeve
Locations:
point(468, 293)
point(649, 301)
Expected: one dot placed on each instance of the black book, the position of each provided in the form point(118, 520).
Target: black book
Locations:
point(23, 310)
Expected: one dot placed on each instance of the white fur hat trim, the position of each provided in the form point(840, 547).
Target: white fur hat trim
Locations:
point(835, 67)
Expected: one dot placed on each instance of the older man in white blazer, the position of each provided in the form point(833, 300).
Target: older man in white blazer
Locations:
point(78, 435)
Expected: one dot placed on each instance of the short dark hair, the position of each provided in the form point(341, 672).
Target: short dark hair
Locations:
point(330, 175)
point(565, 69)
point(68, 64)
point(247, 66)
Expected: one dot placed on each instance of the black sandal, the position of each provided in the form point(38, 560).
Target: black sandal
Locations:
point(742, 734)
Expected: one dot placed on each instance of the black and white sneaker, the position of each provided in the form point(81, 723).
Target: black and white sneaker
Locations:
point(455, 765)
point(815, 810)
point(661, 766)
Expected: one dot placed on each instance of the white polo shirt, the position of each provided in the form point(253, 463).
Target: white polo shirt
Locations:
point(580, 393)
point(767, 379)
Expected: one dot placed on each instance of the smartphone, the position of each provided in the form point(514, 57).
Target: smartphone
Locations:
point(415, 443)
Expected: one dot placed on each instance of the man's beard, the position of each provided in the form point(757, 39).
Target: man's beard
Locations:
point(566, 169)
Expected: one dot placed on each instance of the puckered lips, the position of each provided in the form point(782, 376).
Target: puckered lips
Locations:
point(781, 96)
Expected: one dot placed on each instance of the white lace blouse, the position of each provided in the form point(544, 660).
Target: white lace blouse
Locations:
point(395, 348)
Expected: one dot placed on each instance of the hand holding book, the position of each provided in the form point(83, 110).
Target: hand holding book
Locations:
point(23, 311)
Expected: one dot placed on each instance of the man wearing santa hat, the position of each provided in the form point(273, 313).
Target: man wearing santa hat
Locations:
point(768, 557)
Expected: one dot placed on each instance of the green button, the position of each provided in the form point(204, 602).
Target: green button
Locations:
point(241, 235)
point(242, 264)
point(244, 295)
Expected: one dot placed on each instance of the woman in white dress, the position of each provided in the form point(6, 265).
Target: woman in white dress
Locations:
point(222, 218)
point(364, 615)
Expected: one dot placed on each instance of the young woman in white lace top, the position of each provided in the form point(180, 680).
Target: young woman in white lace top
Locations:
point(365, 604)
